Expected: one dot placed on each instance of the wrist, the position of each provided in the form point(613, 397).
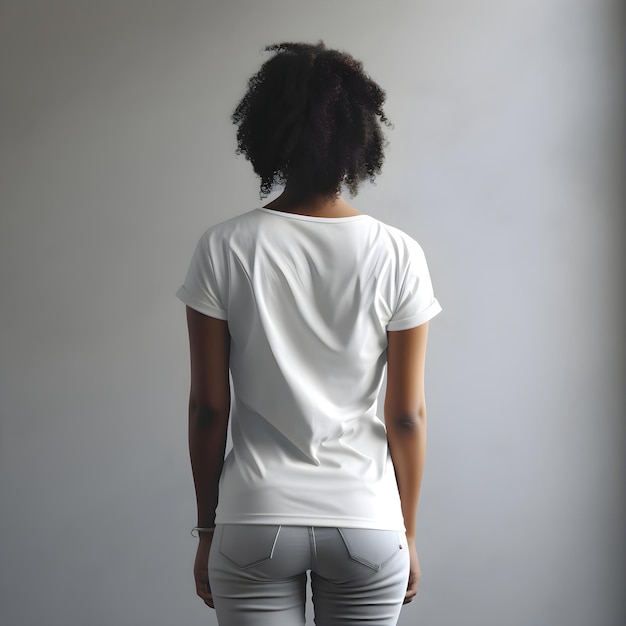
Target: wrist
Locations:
point(205, 539)
point(200, 531)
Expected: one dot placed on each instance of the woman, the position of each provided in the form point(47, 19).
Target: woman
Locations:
point(305, 302)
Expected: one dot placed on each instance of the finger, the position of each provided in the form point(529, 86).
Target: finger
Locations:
point(207, 597)
point(203, 590)
point(411, 591)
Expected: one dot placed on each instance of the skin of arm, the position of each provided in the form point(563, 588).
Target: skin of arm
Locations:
point(405, 420)
point(209, 408)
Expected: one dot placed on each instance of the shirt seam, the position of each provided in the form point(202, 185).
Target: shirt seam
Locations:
point(313, 218)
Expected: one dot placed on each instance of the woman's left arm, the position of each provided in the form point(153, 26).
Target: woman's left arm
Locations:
point(209, 407)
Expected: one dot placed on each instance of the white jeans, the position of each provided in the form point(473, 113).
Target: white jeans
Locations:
point(257, 575)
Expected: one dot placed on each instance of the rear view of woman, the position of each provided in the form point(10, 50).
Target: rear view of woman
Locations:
point(305, 302)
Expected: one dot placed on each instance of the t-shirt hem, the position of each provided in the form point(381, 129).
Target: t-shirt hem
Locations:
point(320, 521)
point(197, 305)
point(416, 320)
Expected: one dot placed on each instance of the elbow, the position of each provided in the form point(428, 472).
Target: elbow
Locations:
point(407, 421)
point(202, 417)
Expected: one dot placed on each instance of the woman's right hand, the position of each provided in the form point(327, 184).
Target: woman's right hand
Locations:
point(201, 568)
point(415, 572)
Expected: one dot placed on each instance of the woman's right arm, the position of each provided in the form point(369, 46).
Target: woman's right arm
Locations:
point(405, 420)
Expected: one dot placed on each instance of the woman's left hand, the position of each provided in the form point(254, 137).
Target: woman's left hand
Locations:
point(201, 568)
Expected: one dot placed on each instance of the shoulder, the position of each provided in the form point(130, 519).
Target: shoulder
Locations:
point(239, 223)
point(399, 241)
point(222, 236)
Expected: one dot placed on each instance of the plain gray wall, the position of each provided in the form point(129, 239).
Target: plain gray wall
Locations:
point(116, 152)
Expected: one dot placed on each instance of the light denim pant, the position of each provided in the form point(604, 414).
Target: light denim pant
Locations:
point(257, 575)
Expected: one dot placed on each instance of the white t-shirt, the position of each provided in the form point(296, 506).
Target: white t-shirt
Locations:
point(309, 301)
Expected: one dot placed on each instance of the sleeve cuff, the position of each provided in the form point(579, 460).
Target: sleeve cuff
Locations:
point(416, 320)
point(198, 305)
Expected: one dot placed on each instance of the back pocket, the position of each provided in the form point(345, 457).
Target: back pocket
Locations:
point(374, 548)
point(248, 544)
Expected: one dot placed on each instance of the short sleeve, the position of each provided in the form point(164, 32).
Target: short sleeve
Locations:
point(201, 289)
point(416, 303)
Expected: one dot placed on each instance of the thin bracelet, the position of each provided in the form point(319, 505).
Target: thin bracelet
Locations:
point(199, 530)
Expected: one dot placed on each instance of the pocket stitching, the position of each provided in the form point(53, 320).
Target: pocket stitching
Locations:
point(362, 560)
point(258, 561)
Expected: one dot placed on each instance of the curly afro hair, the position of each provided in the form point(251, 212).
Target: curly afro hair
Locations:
point(311, 118)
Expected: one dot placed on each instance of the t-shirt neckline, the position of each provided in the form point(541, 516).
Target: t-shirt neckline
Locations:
point(312, 218)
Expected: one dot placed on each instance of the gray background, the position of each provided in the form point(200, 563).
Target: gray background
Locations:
point(116, 152)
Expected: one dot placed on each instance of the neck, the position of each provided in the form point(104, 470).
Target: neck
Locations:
point(318, 205)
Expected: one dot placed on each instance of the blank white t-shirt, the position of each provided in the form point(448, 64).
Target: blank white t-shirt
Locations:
point(309, 301)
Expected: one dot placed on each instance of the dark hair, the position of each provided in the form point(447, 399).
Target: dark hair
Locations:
point(312, 118)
